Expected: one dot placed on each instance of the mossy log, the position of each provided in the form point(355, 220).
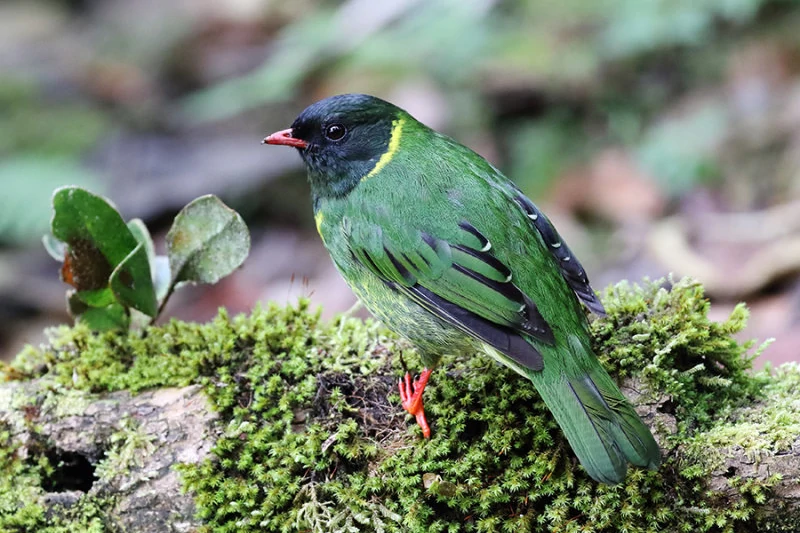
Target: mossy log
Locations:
point(274, 421)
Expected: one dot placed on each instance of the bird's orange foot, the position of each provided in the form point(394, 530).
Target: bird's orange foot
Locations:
point(411, 396)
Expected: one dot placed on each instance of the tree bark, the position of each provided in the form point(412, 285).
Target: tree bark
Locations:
point(118, 446)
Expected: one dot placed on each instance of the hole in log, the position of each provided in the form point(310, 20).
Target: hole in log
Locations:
point(71, 471)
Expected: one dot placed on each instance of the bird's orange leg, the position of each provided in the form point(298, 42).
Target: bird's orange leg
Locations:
point(411, 396)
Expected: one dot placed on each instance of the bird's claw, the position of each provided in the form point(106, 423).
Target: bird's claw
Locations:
point(411, 398)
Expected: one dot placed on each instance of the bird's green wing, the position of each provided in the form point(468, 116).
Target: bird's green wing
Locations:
point(458, 279)
point(571, 269)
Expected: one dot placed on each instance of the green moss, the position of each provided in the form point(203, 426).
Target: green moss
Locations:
point(661, 334)
point(313, 438)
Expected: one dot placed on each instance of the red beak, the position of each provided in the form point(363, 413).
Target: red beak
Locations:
point(285, 138)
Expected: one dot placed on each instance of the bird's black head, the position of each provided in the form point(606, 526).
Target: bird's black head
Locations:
point(340, 139)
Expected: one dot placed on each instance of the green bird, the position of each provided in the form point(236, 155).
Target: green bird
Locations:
point(447, 252)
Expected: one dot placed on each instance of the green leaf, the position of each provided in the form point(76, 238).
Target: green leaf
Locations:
point(207, 241)
point(142, 235)
point(159, 264)
point(75, 306)
point(112, 316)
point(105, 318)
point(102, 249)
point(125, 278)
point(96, 298)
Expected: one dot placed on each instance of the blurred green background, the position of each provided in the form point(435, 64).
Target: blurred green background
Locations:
point(659, 135)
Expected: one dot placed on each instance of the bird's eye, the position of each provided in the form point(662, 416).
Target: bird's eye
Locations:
point(334, 132)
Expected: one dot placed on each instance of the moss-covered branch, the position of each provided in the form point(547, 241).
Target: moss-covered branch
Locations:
point(306, 433)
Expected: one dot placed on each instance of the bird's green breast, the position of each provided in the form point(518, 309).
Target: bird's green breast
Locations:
point(431, 335)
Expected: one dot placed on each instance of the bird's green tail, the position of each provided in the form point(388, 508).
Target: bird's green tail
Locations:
point(599, 423)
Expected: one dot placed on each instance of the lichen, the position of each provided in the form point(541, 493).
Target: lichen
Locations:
point(313, 439)
point(771, 425)
point(127, 446)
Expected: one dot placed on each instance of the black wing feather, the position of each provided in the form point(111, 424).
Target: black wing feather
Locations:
point(505, 340)
point(571, 268)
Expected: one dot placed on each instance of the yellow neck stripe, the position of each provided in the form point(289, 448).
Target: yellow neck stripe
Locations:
point(318, 221)
point(394, 144)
